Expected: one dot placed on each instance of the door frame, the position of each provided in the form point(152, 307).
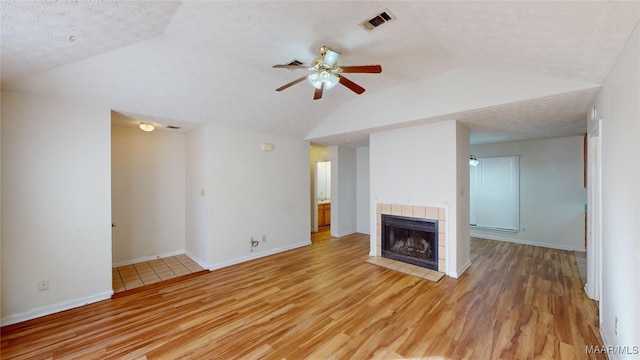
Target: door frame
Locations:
point(594, 214)
point(314, 220)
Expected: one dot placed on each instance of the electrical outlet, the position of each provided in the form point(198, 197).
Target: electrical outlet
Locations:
point(615, 327)
point(253, 243)
point(264, 238)
point(43, 285)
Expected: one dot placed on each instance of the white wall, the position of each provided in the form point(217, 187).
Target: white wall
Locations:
point(255, 193)
point(462, 204)
point(343, 190)
point(420, 166)
point(196, 190)
point(148, 194)
point(56, 205)
point(552, 192)
point(618, 106)
point(362, 190)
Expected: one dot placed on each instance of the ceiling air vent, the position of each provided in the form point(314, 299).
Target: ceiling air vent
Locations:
point(173, 127)
point(374, 22)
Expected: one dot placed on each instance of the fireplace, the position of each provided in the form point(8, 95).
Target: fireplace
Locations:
point(410, 240)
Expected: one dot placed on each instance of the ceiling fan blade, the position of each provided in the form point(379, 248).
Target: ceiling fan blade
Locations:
point(290, 67)
point(351, 85)
point(369, 69)
point(318, 93)
point(291, 83)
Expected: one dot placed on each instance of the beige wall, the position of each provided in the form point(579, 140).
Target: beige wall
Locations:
point(148, 194)
point(56, 205)
point(251, 192)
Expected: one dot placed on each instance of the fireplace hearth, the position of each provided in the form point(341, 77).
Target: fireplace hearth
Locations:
point(410, 240)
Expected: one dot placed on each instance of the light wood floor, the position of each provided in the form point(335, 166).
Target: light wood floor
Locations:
point(325, 301)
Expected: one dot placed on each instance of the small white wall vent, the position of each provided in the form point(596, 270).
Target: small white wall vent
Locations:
point(376, 21)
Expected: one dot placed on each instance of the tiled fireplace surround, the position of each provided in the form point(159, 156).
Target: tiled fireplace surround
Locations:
point(425, 212)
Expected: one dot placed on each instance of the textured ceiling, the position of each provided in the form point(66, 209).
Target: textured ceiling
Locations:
point(184, 63)
point(40, 35)
point(545, 117)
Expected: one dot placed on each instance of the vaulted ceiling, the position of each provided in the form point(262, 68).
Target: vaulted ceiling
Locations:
point(188, 63)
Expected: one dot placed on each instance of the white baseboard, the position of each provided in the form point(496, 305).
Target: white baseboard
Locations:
point(198, 261)
point(147, 258)
point(525, 242)
point(54, 308)
point(257, 255)
point(344, 233)
point(606, 342)
point(461, 270)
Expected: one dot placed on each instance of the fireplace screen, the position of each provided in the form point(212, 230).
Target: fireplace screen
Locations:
point(410, 240)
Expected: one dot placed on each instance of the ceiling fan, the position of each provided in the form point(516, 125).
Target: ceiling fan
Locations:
point(327, 73)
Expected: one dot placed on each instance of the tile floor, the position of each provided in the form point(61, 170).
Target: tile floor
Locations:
point(150, 272)
point(413, 270)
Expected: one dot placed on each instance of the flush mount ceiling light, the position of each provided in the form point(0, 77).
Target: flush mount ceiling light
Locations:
point(473, 161)
point(146, 126)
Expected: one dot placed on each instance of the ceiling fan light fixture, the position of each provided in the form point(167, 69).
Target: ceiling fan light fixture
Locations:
point(326, 74)
point(331, 57)
point(323, 77)
point(315, 80)
point(146, 126)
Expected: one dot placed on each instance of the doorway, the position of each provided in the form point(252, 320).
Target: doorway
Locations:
point(147, 201)
point(320, 187)
point(323, 194)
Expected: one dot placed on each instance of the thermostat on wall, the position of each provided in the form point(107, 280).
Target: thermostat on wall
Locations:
point(267, 147)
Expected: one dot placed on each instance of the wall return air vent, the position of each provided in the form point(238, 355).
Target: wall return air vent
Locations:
point(378, 20)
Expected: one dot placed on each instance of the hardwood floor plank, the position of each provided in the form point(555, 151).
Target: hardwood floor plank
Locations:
point(325, 301)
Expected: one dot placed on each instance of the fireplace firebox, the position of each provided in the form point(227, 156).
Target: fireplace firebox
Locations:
point(411, 240)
